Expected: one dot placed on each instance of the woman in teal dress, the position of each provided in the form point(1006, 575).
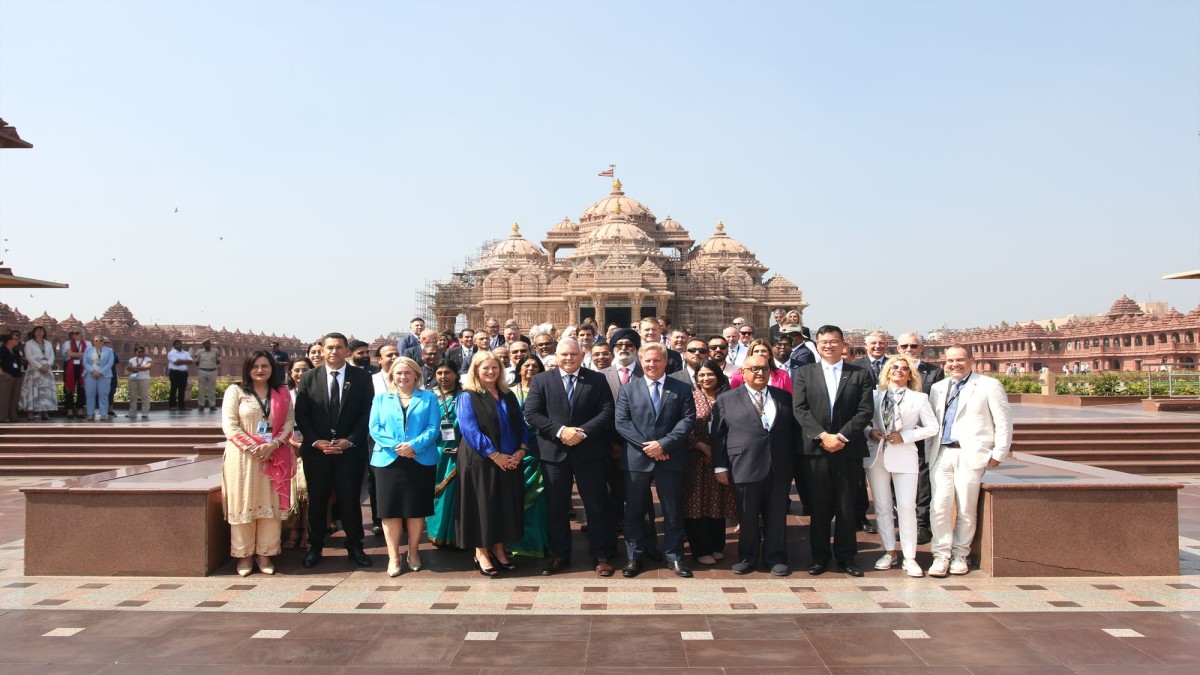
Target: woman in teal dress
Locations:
point(440, 526)
point(535, 542)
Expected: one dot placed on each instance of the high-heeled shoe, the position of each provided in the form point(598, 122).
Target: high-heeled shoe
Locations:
point(414, 567)
point(245, 566)
point(485, 571)
point(508, 566)
point(268, 567)
point(394, 568)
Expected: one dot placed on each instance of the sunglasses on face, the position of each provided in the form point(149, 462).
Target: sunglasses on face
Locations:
point(747, 332)
point(909, 346)
point(719, 347)
point(697, 350)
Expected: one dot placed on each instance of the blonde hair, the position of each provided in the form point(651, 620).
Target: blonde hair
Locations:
point(914, 377)
point(404, 362)
point(472, 381)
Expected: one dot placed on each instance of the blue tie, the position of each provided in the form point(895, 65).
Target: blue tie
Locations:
point(951, 411)
point(654, 399)
point(570, 390)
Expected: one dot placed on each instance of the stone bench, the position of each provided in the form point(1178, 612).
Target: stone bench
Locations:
point(160, 519)
point(1046, 517)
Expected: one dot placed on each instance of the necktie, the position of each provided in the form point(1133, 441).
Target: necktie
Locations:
point(654, 397)
point(335, 399)
point(951, 411)
point(876, 367)
point(571, 390)
point(624, 376)
point(760, 407)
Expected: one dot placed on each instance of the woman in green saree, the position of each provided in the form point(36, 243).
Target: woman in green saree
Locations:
point(440, 526)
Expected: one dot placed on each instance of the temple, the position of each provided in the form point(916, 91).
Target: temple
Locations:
point(617, 264)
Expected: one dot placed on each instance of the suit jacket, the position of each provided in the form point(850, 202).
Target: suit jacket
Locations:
point(684, 375)
point(852, 409)
point(982, 424)
point(461, 355)
point(413, 353)
point(864, 362)
point(547, 411)
point(312, 412)
point(917, 422)
point(930, 375)
point(674, 361)
point(613, 375)
point(742, 445)
point(638, 422)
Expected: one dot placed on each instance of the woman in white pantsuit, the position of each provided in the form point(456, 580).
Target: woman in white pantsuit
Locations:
point(903, 416)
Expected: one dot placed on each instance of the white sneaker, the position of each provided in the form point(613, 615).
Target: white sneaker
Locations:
point(912, 569)
point(99, 417)
point(958, 565)
point(887, 562)
point(940, 566)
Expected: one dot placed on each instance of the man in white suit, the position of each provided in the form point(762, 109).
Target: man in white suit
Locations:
point(976, 434)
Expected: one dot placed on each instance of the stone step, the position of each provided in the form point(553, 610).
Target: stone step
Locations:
point(1097, 426)
point(102, 450)
point(1128, 432)
point(1149, 466)
point(104, 429)
point(106, 439)
point(1037, 447)
point(52, 470)
point(1092, 457)
point(111, 461)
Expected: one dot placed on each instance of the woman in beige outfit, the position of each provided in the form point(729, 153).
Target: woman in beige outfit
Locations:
point(256, 479)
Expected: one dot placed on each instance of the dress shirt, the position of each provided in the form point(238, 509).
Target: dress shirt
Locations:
point(379, 383)
point(833, 375)
point(176, 355)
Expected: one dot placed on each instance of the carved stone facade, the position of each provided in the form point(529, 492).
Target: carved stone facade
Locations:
point(617, 264)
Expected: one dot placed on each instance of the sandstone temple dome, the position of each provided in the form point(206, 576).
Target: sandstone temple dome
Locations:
point(616, 265)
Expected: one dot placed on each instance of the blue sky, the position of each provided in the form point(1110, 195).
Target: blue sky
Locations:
point(906, 164)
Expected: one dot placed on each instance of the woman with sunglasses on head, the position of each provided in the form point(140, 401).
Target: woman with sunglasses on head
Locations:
point(779, 378)
point(903, 416)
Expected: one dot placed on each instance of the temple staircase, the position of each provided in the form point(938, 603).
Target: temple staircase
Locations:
point(80, 448)
point(1133, 447)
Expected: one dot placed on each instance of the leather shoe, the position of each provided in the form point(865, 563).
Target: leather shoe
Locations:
point(679, 569)
point(924, 536)
point(850, 569)
point(312, 557)
point(866, 526)
point(359, 556)
point(654, 554)
point(554, 567)
point(632, 568)
point(817, 568)
point(604, 568)
point(743, 567)
point(780, 570)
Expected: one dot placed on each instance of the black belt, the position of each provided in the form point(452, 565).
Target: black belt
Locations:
point(955, 444)
point(207, 370)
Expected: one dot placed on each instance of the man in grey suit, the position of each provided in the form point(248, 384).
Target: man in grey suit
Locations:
point(912, 345)
point(654, 415)
point(833, 404)
point(752, 437)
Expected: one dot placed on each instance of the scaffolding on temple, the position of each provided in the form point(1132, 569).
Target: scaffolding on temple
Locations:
point(439, 295)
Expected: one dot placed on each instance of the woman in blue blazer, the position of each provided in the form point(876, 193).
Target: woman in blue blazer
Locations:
point(404, 425)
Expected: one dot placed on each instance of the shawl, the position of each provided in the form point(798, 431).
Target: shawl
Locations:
point(70, 368)
point(281, 467)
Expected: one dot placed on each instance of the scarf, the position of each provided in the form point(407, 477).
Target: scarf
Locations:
point(72, 370)
point(282, 465)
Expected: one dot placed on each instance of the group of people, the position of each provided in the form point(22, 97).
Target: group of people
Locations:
point(481, 439)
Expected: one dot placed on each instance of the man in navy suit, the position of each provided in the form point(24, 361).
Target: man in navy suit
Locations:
point(571, 409)
point(655, 414)
point(752, 436)
point(833, 404)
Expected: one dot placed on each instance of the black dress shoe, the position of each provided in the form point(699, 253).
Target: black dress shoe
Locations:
point(377, 530)
point(654, 554)
point(924, 536)
point(679, 569)
point(359, 556)
point(632, 568)
point(312, 557)
point(850, 569)
point(816, 568)
point(866, 526)
point(554, 567)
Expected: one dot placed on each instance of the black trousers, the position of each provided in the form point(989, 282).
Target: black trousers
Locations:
point(762, 514)
point(178, 392)
point(706, 535)
point(831, 479)
point(801, 488)
point(371, 495)
point(74, 399)
point(588, 475)
point(669, 486)
point(924, 489)
point(861, 503)
point(340, 475)
point(614, 485)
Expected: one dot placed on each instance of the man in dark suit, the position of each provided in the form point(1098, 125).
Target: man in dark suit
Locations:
point(651, 331)
point(912, 345)
point(695, 353)
point(752, 438)
point(464, 352)
point(655, 414)
point(333, 406)
point(428, 337)
point(571, 410)
point(833, 404)
point(876, 343)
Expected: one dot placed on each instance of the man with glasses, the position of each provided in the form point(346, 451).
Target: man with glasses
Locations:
point(543, 342)
point(781, 349)
point(495, 339)
point(516, 351)
point(833, 403)
point(739, 352)
point(912, 345)
point(695, 354)
point(718, 348)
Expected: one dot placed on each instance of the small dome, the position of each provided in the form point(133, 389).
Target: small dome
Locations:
point(565, 225)
point(617, 236)
point(513, 251)
point(616, 202)
point(722, 243)
point(669, 224)
point(1124, 306)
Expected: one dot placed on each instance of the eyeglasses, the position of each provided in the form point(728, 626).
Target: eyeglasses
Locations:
point(909, 346)
point(747, 332)
point(757, 370)
point(829, 343)
point(899, 367)
point(738, 323)
point(697, 350)
point(624, 343)
point(723, 348)
point(543, 344)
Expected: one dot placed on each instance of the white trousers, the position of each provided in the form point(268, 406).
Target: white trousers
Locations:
point(881, 481)
point(955, 503)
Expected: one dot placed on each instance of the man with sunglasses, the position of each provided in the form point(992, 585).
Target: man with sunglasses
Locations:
point(739, 351)
point(911, 345)
point(718, 348)
point(695, 353)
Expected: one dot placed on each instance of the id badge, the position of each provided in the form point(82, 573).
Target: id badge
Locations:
point(447, 431)
point(263, 432)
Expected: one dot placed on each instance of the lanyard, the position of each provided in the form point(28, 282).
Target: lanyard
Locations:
point(265, 406)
